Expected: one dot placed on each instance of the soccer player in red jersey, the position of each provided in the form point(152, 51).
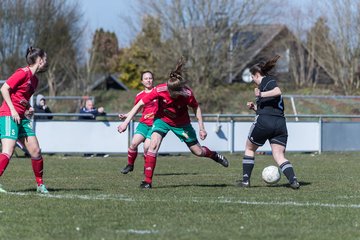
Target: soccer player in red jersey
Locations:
point(143, 130)
point(174, 98)
point(15, 112)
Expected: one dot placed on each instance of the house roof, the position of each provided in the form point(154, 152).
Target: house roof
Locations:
point(110, 81)
point(252, 39)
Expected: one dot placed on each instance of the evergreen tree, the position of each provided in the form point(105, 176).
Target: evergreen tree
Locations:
point(142, 54)
point(104, 52)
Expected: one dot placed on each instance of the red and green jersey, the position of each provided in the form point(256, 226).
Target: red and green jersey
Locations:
point(149, 110)
point(173, 111)
point(22, 86)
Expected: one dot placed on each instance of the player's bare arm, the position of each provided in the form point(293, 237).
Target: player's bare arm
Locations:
point(5, 91)
point(122, 127)
point(202, 131)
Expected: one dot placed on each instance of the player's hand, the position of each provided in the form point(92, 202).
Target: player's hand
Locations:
point(250, 105)
point(122, 127)
point(257, 92)
point(202, 134)
point(122, 116)
point(15, 116)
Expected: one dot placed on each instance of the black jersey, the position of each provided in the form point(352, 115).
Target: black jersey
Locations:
point(269, 105)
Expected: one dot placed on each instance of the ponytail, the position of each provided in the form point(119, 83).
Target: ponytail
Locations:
point(264, 68)
point(176, 82)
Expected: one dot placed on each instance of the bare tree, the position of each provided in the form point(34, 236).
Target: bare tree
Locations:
point(51, 25)
point(344, 17)
point(202, 32)
point(59, 34)
point(341, 54)
point(15, 34)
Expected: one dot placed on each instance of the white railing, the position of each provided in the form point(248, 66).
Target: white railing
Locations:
point(226, 133)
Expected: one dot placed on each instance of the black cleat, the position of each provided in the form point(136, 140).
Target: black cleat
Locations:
point(295, 185)
point(242, 184)
point(145, 185)
point(127, 169)
point(221, 159)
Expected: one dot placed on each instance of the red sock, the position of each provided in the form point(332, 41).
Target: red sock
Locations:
point(132, 154)
point(207, 152)
point(38, 166)
point(144, 157)
point(4, 161)
point(150, 163)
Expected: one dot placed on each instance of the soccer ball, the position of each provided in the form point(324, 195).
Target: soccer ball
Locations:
point(271, 174)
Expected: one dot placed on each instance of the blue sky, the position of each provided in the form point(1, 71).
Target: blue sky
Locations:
point(109, 14)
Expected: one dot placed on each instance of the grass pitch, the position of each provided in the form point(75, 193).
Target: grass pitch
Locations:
point(192, 198)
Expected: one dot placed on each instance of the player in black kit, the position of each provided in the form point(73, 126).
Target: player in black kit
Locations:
point(270, 124)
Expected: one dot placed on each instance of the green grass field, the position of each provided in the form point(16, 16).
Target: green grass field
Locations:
point(192, 198)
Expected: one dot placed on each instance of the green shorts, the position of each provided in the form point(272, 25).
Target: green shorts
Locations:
point(185, 133)
point(10, 129)
point(143, 130)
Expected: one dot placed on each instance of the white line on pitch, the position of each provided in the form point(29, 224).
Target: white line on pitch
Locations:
point(120, 197)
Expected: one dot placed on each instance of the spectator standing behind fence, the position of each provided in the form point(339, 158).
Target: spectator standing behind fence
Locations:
point(90, 109)
point(41, 107)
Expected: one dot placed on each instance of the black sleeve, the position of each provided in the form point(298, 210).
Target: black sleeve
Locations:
point(47, 110)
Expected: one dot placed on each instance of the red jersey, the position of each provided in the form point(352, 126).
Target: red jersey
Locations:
point(149, 110)
point(172, 111)
point(22, 86)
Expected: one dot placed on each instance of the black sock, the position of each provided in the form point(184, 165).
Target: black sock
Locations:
point(288, 171)
point(248, 165)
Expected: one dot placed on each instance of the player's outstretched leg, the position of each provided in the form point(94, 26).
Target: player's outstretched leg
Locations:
point(217, 157)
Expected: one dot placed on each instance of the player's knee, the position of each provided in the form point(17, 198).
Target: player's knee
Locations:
point(35, 152)
point(153, 147)
point(133, 146)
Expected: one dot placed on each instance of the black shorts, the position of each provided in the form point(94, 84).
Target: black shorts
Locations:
point(267, 127)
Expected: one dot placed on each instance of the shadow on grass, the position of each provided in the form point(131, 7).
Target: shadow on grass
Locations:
point(174, 174)
point(287, 185)
point(60, 189)
point(196, 185)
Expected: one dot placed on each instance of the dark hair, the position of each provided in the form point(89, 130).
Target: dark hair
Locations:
point(264, 68)
point(176, 82)
point(33, 53)
point(147, 71)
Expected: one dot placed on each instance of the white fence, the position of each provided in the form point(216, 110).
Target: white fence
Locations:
point(102, 137)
